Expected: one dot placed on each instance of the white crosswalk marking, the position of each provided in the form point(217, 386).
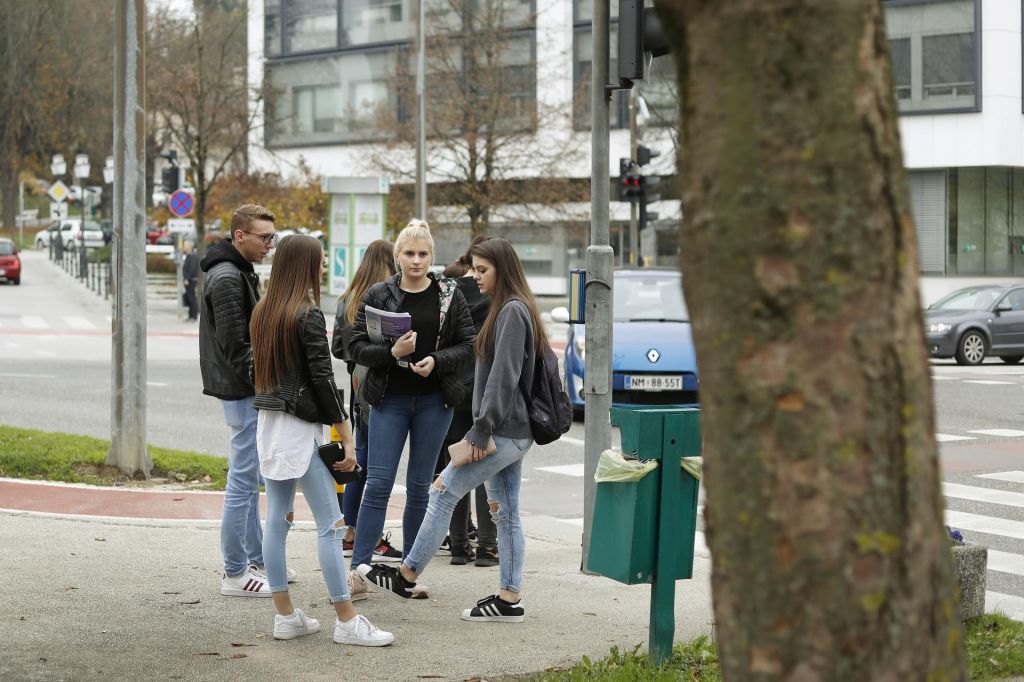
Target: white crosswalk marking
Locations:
point(1010, 476)
point(947, 438)
point(996, 602)
point(571, 441)
point(1005, 433)
point(33, 322)
point(78, 322)
point(565, 469)
point(979, 494)
point(989, 382)
point(939, 377)
point(985, 524)
point(1005, 562)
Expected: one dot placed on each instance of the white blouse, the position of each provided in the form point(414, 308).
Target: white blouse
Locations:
point(285, 444)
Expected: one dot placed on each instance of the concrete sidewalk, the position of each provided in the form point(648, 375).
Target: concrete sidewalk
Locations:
point(93, 598)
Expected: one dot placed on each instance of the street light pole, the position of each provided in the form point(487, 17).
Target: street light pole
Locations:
point(598, 360)
point(82, 172)
point(421, 117)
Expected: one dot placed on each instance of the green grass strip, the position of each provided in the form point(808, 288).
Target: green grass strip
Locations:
point(693, 661)
point(42, 455)
point(995, 647)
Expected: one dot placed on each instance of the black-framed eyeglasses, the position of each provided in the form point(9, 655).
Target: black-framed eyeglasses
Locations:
point(268, 239)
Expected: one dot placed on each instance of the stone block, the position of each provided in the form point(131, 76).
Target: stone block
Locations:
point(971, 566)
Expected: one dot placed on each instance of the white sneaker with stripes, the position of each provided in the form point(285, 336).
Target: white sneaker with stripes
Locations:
point(248, 584)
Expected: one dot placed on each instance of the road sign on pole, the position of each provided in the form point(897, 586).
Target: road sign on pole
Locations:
point(58, 191)
point(181, 203)
point(59, 210)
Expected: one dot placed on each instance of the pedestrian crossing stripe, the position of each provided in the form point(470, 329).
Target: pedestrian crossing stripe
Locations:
point(948, 438)
point(1008, 476)
point(985, 524)
point(979, 494)
point(1003, 433)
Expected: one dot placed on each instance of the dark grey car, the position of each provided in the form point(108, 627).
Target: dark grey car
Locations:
point(975, 322)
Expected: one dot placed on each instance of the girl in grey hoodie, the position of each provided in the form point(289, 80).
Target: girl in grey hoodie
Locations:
point(506, 350)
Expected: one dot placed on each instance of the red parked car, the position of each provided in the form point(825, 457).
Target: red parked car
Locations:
point(10, 264)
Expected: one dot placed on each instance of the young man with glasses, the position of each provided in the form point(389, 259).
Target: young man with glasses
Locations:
point(230, 293)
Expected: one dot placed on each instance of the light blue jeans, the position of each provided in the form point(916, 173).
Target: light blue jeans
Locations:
point(502, 472)
point(241, 537)
point(318, 489)
point(424, 419)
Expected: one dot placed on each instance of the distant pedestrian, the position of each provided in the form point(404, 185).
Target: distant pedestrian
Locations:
point(296, 395)
point(189, 279)
point(506, 351)
point(409, 399)
point(486, 553)
point(377, 265)
point(225, 359)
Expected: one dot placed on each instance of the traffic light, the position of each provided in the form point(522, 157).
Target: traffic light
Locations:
point(648, 193)
point(645, 154)
point(640, 31)
point(171, 179)
point(630, 181)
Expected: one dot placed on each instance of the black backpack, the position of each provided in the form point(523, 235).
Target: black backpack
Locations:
point(547, 403)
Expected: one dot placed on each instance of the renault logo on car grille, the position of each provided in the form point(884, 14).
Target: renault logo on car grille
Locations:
point(653, 355)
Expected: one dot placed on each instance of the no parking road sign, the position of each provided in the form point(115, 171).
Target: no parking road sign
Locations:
point(181, 203)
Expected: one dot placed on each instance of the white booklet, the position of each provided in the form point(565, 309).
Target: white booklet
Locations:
point(387, 327)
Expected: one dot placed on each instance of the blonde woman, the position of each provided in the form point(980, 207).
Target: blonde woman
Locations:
point(409, 399)
point(295, 396)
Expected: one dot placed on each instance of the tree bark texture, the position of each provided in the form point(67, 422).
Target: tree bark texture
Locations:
point(824, 514)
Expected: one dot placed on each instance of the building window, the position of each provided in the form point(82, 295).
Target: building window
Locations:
point(899, 50)
point(936, 54)
point(333, 99)
point(618, 115)
point(310, 25)
point(364, 22)
point(985, 214)
point(272, 28)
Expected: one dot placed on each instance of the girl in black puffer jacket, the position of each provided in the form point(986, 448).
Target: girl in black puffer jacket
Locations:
point(411, 385)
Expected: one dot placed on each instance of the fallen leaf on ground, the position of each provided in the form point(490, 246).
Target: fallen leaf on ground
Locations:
point(100, 539)
point(191, 601)
point(242, 644)
point(172, 592)
point(239, 656)
point(208, 653)
point(69, 588)
point(177, 499)
point(430, 677)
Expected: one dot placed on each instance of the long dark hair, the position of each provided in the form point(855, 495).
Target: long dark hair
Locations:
point(377, 265)
point(294, 285)
point(509, 282)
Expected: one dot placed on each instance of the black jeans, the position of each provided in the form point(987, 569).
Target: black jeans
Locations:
point(458, 529)
point(190, 301)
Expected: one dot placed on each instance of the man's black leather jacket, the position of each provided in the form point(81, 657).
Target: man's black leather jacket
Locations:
point(307, 389)
point(455, 339)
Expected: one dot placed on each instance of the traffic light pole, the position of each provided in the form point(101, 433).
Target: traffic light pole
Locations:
point(598, 359)
point(634, 234)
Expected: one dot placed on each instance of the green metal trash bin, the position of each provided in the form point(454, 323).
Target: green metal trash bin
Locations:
point(635, 522)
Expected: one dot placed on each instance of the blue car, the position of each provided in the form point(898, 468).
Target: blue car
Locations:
point(653, 360)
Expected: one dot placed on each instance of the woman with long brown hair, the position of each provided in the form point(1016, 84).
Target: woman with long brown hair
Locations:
point(506, 350)
point(377, 265)
point(295, 396)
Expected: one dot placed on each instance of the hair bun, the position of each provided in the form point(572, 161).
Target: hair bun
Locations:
point(416, 222)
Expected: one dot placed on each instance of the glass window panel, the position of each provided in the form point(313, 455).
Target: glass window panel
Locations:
point(1017, 220)
point(660, 91)
point(505, 13)
point(583, 47)
point(377, 21)
point(997, 221)
point(934, 54)
point(272, 27)
point(345, 98)
point(899, 49)
point(970, 197)
point(311, 25)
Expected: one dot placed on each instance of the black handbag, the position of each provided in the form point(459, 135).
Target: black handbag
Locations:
point(331, 453)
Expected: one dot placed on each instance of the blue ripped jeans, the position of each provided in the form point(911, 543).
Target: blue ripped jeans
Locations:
point(241, 538)
point(318, 489)
point(502, 472)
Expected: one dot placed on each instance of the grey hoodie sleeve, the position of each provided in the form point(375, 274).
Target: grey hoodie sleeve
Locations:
point(513, 328)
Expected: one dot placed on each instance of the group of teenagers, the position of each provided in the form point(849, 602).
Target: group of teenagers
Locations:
point(457, 377)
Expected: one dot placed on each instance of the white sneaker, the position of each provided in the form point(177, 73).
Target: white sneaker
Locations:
point(357, 587)
point(361, 632)
point(248, 584)
point(262, 573)
point(295, 625)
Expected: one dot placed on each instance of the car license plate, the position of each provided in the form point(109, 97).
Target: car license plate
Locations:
point(654, 382)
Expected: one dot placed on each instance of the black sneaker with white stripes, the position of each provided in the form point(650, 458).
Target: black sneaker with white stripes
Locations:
point(494, 609)
point(386, 580)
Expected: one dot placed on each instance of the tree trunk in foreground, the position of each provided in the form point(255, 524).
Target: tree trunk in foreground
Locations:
point(824, 514)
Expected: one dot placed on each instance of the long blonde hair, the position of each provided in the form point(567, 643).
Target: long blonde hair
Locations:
point(377, 265)
point(415, 229)
point(294, 285)
point(509, 282)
